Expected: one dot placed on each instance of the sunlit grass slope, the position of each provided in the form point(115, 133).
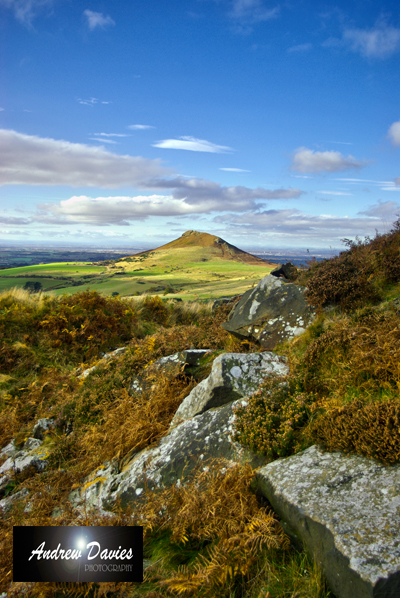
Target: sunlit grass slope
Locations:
point(195, 266)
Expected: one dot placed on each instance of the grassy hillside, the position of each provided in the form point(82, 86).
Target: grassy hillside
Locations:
point(213, 538)
point(195, 266)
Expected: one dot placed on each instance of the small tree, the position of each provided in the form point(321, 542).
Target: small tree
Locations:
point(33, 287)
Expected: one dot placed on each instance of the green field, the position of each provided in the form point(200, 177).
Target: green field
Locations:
point(188, 273)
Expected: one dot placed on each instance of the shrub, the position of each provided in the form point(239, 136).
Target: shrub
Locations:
point(370, 429)
point(87, 323)
point(273, 418)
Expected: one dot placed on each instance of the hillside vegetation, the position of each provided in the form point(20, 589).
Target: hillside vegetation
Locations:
point(195, 266)
point(213, 537)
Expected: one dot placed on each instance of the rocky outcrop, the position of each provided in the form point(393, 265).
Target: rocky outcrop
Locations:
point(201, 430)
point(188, 445)
point(32, 454)
point(233, 375)
point(346, 510)
point(273, 311)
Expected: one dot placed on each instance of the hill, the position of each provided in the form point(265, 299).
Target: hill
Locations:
point(210, 247)
point(194, 266)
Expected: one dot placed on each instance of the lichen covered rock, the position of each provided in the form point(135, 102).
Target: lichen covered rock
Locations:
point(188, 445)
point(346, 510)
point(233, 375)
point(273, 311)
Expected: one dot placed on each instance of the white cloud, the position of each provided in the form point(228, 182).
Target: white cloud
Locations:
point(25, 10)
point(210, 196)
point(234, 170)
point(188, 197)
point(31, 160)
point(385, 210)
point(140, 127)
point(104, 211)
point(394, 133)
point(300, 48)
point(380, 42)
point(306, 160)
point(97, 19)
point(397, 180)
point(292, 226)
point(192, 144)
point(359, 181)
point(91, 102)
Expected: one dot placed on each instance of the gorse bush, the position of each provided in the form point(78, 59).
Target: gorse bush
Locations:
point(272, 421)
point(371, 429)
point(87, 323)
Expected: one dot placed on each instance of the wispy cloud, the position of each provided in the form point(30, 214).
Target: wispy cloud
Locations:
point(91, 101)
point(193, 145)
point(300, 48)
point(111, 135)
point(334, 193)
point(97, 19)
point(234, 170)
point(32, 160)
point(306, 160)
point(361, 181)
point(26, 10)
point(381, 41)
point(140, 127)
point(12, 221)
point(249, 12)
point(102, 140)
point(394, 133)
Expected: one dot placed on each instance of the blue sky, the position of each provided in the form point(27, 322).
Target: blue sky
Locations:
point(270, 124)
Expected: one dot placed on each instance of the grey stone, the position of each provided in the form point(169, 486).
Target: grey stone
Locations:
point(9, 450)
point(105, 357)
point(171, 364)
point(171, 462)
point(42, 426)
point(346, 510)
point(275, 310)
point(7, 502)
point(233, 375)
point(224, 301)
point(31, 455)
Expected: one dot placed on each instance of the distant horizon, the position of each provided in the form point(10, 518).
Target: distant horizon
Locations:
point(122, 248)
point(267, 124)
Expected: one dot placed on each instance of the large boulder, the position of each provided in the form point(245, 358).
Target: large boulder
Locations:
point(188, 445)
point(346, 510)
point(273, 311)
point(233, 375)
